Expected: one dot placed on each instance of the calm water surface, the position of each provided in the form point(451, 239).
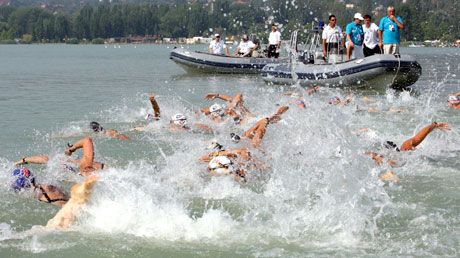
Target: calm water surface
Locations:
point(319, 194)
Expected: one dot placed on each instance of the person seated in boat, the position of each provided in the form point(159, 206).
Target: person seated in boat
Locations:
point(453, 100)
point(245, 47)
point(217, 46)
point(24, 179)
point(355, 38)
point(112, 133)
point(409, 144)
point(235, 108)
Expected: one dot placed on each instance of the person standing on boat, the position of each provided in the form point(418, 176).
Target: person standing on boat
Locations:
point(355, 37)
point(371, 37)
point(245, 47)
point(332, 36)
point(389, 28)
point(274, 42)
point(217, 46)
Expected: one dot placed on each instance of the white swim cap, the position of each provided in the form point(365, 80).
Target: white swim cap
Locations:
point(454, 99)
point(179, 119)
point(221, 165)
point(216, 110)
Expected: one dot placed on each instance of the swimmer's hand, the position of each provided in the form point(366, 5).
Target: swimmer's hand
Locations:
point(442, 126)
point(68, 151)
point(211, 96)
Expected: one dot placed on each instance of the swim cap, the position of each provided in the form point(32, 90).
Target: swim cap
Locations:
point(95, 126)
point(235, 137)
point(214, 145)
point(454, 99)
point(23, 179)
point(179, 119)
point(390, 145)
point(216, 110)
point(221, 165)
point(334, 100)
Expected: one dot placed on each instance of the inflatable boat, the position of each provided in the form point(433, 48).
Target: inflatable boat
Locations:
point(206, 62)
point(377, 71)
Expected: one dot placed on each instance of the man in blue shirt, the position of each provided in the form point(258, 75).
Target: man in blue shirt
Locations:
point(389, 30)
point(355, 37)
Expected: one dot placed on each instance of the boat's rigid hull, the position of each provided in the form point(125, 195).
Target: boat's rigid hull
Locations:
point(205, 62)
point(378, 71)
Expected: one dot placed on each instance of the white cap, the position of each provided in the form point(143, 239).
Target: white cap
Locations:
point(178, 117)
point(221, 165)
point(215, 108)
point(358, 16)
point(216, 35)
point(454, 99)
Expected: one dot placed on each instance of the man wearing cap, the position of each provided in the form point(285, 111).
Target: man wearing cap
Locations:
point(355, 37)
point(217, 46)
point(332, 35)
point(274, 42)
point(389, 28)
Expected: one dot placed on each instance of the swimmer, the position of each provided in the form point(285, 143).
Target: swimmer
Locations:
point(453, 101)
point(409, 144)
point(150, 117)
point(79, 193)
point(112, 133)
point(257, 132)
point(337, 101)
point(66, 165)
point(24, 180)
point(235, 108)
point(87, 163)
point(178, 122)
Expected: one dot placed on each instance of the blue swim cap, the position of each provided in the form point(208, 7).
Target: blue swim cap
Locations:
point(23, 179)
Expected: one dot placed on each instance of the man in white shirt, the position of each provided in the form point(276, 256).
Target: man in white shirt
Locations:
point(371, 37)
point(245, 47)
point(274, 42)
point(217, 46)
point(332, 37)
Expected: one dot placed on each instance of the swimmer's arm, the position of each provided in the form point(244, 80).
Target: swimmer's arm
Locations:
point(155, 107)
point(33, 160)
point(413, 142)
point(205, 111)
point(313, 90)
point(376, 157)
point(211, 96)
point(202, 127)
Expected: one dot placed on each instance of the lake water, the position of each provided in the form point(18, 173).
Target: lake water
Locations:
point(318, 196)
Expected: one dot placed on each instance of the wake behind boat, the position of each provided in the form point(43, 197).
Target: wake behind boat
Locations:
point(205, 62)
point(377, 71)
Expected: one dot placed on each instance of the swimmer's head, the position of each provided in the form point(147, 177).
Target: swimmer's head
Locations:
point(334, 100)
point(216, 110)
point(235, 137)
point(215, 146)
point(23, 178)
point(221, 165)
point(390, 145)
point(454, 100)
point(96, 127)
point(179, 119)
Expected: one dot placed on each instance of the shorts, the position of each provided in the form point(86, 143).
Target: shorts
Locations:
point(272, 51)
point(357, 51)
point(391, 49)
point(371, 51)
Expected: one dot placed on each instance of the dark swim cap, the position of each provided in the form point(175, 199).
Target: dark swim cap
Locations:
point(235, 137)
point(95, 126)
point(23, 179)
point(390, 145)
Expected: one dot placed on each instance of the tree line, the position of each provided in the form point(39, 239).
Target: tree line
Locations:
point(424, 19)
